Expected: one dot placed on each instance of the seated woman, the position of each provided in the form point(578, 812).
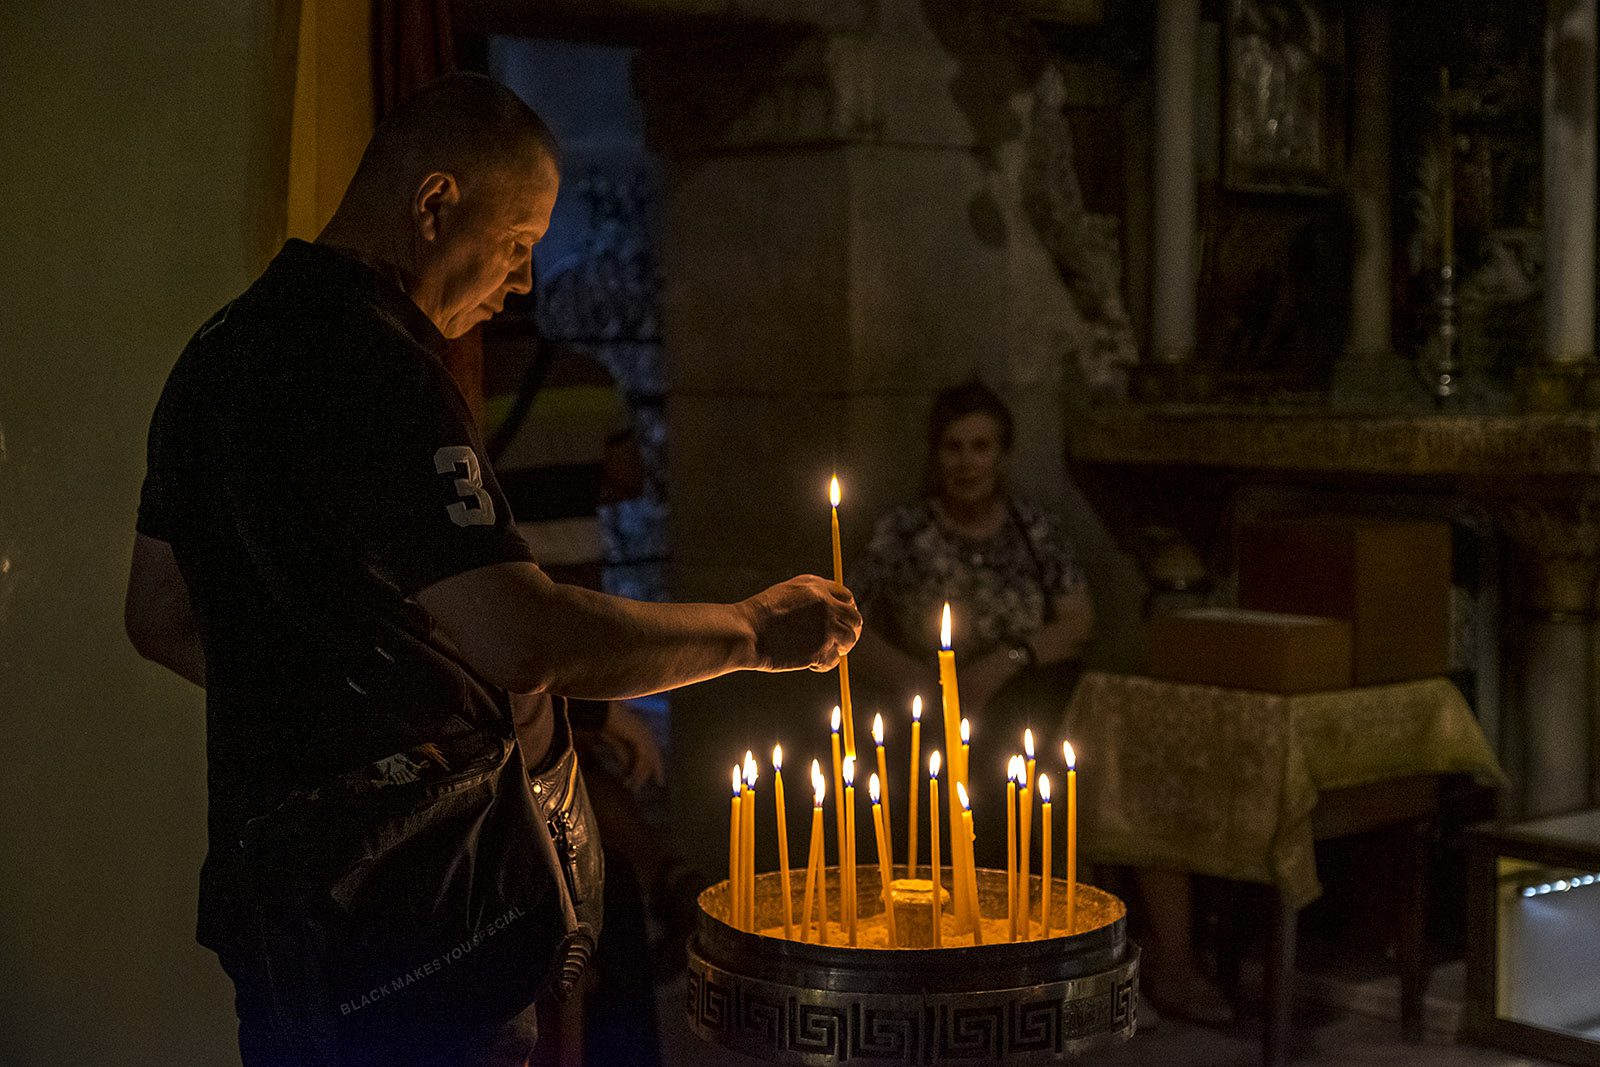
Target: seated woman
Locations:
point(1021, 608)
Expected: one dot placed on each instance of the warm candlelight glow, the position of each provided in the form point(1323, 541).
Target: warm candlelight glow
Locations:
point(873, 789)
point(934, 763)
point(814, 856)
point(1044, 788)
point(933, 846)
point(777, 758)
point(833, 491)
point(1027, 742)
point(737, 779)
point(1012, 773)
point(1069, 754)
point(961, 795)
point(781, 812)
point(848, 880)
point(966, 732)
point(911, 786)
point(849, 771)
point(838, 717)
point(735, 853)
point(751, 771)
point(877, 729)
point(819, 784)
point(944, 627)
point(916, 708)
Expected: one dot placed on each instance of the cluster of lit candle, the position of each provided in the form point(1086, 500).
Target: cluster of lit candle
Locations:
point(1024, 787)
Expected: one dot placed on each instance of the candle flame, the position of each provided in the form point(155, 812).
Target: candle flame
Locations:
point(877, 729)
point(872, 787)
point(833, 491)
point(751, 771)
point(966, 732)
point(1069, 754)
point(1044, 788)
point(935, 761)
point(961, 794)
point(837, 720)
point(1027, 742)
point(849, 771)
point(777, 758)
point(1014, 769)
point(738, 779)
point(818, 782)
point(944, 627)
point(916, 708)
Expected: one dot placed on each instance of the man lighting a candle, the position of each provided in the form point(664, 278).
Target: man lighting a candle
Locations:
point(323, 546)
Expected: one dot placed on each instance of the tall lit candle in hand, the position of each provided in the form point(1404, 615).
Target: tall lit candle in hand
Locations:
point(735, 854)
point(844, 661)
point(1025, 845)
point(783, 840)
point(933, 842)
point(880, 836)
point(911, 786)
point(814, 857)
point(883, 776)
point(1044, 860)
point(1071, 757)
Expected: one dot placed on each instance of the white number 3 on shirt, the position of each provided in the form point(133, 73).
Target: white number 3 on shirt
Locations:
point(460, 460)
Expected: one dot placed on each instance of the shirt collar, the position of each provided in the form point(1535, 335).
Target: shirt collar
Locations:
point(342, 276)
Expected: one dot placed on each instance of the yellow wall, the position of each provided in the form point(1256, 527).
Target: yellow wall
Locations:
point(137, 147)
point(333, 108)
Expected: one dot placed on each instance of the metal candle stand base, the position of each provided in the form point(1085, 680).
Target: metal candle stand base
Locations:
point(1048, 1000)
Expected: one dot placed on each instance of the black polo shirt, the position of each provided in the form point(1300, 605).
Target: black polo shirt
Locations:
point(313, 466)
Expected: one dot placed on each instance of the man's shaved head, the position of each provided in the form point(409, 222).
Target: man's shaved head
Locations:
point(467, 125)
point(453, 192)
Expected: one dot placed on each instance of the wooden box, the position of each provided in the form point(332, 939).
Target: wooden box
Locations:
point(1244, 649)
point(1389, 579)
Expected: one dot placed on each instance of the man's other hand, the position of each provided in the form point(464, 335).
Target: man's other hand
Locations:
point(806, 622)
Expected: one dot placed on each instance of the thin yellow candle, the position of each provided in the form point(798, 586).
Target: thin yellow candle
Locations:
point(844, 661)
point(1011, 846)
point(814, 853)
point(783, 840)
point(971, 870)
point(849, 877)
point(818, 783)
point(879, 833)
point(1044, 861)
point(968, 861)
point(950, 701)
point(838, 806)
point(1072, 835)
point(1025, 840)
point(749, 817)
point(735, 853)
point(933, 843)
point(883, 777)
point(911, 786)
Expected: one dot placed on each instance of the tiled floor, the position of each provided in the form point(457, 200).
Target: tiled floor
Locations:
point(1325, 1038)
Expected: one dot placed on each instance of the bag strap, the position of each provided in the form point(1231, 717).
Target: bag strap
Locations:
point(1033, 554)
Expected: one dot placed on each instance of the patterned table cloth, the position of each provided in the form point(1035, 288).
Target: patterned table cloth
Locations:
point(1222, 781)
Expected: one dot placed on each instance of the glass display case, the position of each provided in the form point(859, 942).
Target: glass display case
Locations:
point(1533, 946)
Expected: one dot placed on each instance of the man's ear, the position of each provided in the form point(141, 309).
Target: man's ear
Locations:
point(436, 195)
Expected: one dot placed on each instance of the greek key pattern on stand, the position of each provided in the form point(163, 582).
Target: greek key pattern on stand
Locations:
point(1050, 1023)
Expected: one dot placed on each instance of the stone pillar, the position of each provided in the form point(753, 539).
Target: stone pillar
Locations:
point(1569, 205)
point(1555, 709)
point(1369, 180)
point(1175, 237)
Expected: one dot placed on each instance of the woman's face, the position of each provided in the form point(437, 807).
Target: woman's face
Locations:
point(969, 458)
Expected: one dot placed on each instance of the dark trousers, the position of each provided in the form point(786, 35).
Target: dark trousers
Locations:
point(507, 1044)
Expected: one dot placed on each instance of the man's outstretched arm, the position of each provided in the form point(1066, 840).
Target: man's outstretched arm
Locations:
point(157, 614)
point(522, 631)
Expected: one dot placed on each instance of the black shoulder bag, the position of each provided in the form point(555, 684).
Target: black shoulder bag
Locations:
point(430, 891)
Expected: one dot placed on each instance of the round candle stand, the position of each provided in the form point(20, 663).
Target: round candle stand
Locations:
point(1044, 1000)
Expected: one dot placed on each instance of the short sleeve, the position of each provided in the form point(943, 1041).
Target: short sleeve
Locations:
point(379, 460)
point(434, 508)
point(159, 497)
point(1062, 574)
point(872, 579)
